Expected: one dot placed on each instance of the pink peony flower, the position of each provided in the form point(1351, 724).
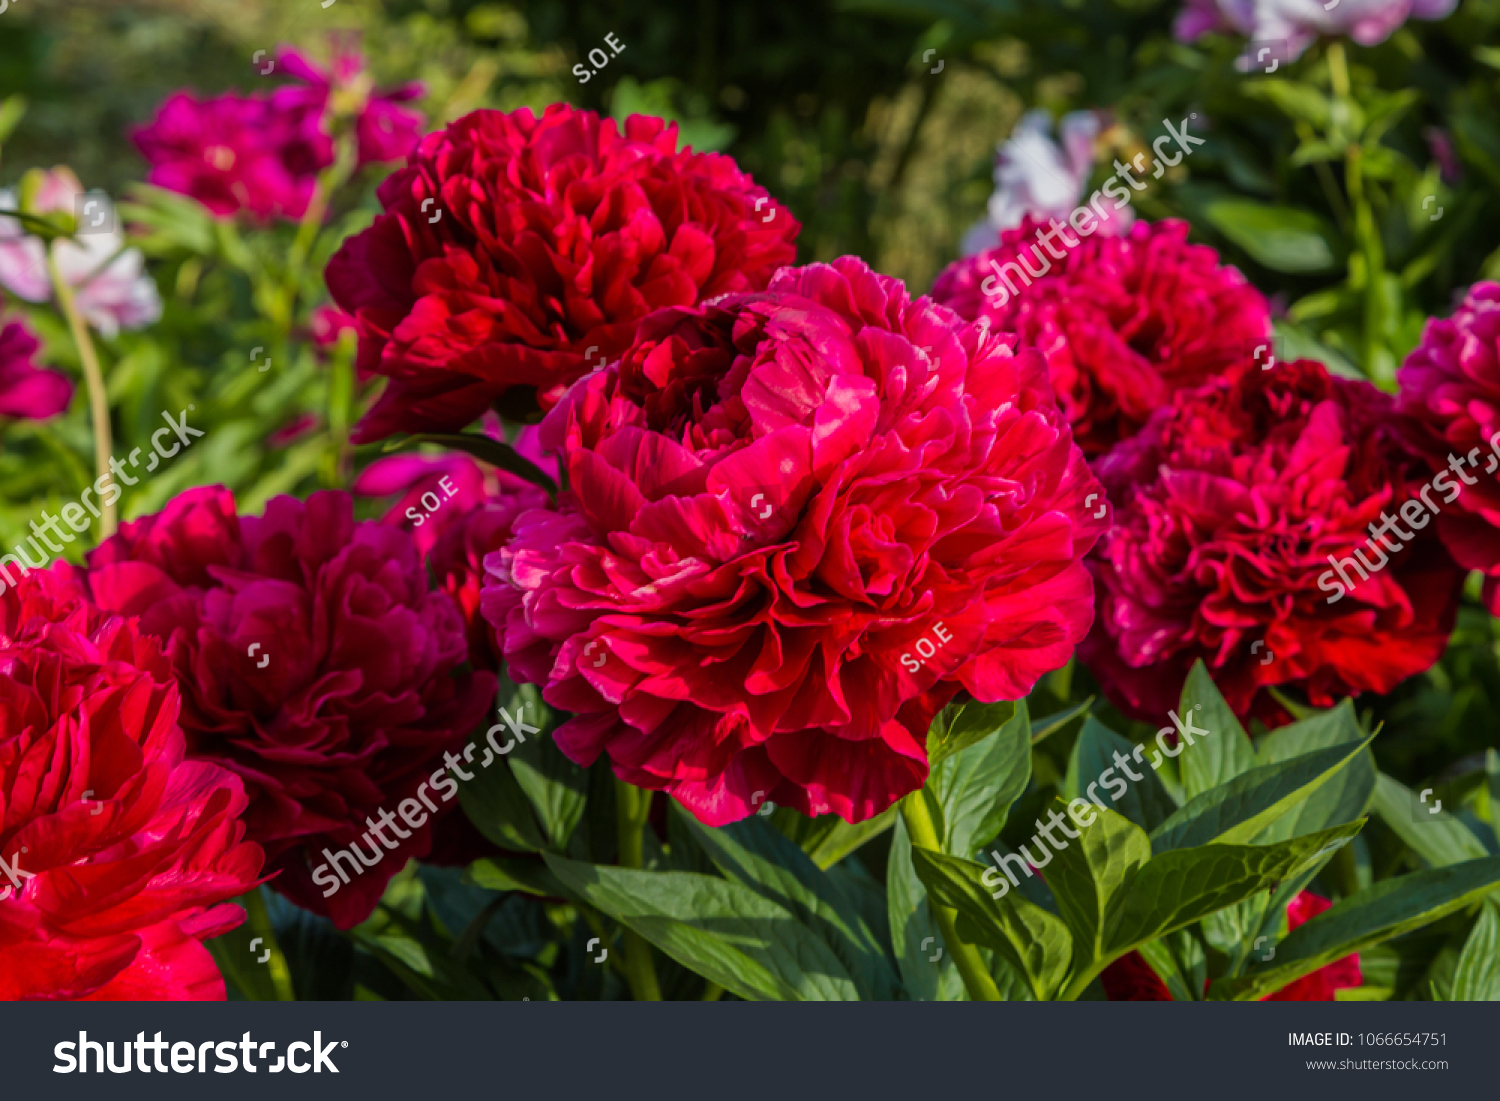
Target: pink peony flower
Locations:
point(1122, 321)
point(520, 252)
point(315, 664)
point(800, 521)
point(119, 855)
point(1450, 395)
point(383, 130)
point(1236, 507)
point(1298, 23)
point(109, 281)
point(232, 153)
point(25, 389)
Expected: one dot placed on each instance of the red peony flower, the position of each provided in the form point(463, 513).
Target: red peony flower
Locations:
point(800, 521)
point(521, 252)
point(1131, 979)
point(1241, 507)
point(25, 389)
point(457, 512)
point(116, 853)
point(315, 663)
point(233, 153)
point(1123, 321)
point(1450, 394)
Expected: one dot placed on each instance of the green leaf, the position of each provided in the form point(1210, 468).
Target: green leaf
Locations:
point(723, 931)
point(1299, 102)
point(1033, 941)
point(498, 806)
point(1090, 876)
point(1237, 811)
point(1214, 760)
point(1346, 795)
point(1145, 802)
point(1387, 909)
point(556, 787)
point(1438, 838)
point(827, 839)
point(1181, 886)
point(516, 873)
point(976, 786)
point(753, 853)
point(914, 933)
point(962, 725)
point(1282, 238)
point(484, 448)
point(1477, 976)
point(1054, 722)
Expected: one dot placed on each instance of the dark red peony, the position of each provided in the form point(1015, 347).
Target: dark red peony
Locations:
point(1450, 394)
point(1268, 508)
point(800, 521)
point(458, 512)
point(117, 854)
point(518, 251)
point(315, 663)
point(1123, 321)
point(1131, 979)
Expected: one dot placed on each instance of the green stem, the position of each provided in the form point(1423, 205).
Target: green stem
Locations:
point(258, 919)
point(1081, 981)
point(712, 992)
point(633, 808)
point(923, 832)
point(93, 378)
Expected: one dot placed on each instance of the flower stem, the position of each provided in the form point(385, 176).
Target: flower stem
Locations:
point(93, 379)
point(970, 964)
point(633, 807)
point(258, 919)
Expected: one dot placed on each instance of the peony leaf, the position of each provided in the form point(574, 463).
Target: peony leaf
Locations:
point(1051, 724)
point(1181, 886)
point(1477, 976)
point(1428, 830)
point(1346, 795)
point(827, 839)
point(1032, 940)
point(1145, 802)
point(497, 805)
point(961, 725)
point(1283, 238)
point(556, 787)
point(1090, 877)
point(976, 786)
point(914, 933)
point(486, 449)
point(723, 931)
point(754, 854)
point(1237, 811)
point(1227, 753)
point(1387, 909)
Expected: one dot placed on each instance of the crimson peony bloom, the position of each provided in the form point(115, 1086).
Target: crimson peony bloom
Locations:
point(457, 512)
point(233, 153)
point(1131, 979)
point(518, 251)
point(1240, 507)
point(1450, 394)
point(1123, 321)
point(117, 854)
point(27, 390)
point(800, 521)
point(315, 664)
